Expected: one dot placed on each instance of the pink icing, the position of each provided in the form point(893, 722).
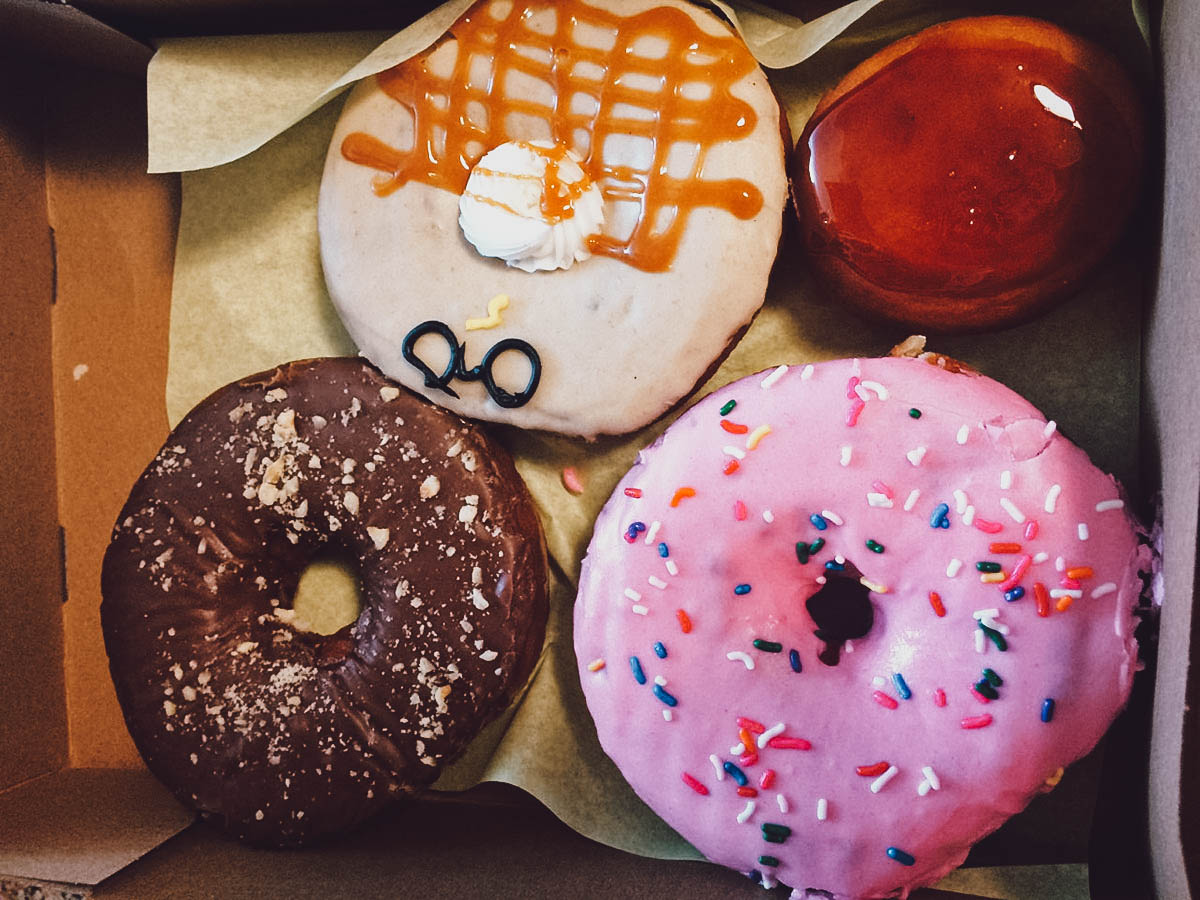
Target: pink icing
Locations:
point(989, 756)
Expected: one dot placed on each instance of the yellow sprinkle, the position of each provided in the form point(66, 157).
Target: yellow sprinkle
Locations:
point(993, 577)
point(595, 665)
point(1054, 779)
point(757, 435)
point(872, 586)
point(495, 305)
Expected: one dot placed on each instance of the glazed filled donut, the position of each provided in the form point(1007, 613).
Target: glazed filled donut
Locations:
point(277, 734)
point(587, 272)
point(842, 620)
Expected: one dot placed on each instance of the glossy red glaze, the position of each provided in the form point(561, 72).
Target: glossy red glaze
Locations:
point(967, 176)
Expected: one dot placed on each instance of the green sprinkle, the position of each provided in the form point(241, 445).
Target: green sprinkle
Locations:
point(780, 830)
point(988, 566)
point(993, 679)
point(915, 413)
point(995, 637)
point(728, 407)
point(768, 861)
point(874, 546)
point(767, 646)
point(772, 838)
point(987, 690)
point(815, 547)
point(802, 552)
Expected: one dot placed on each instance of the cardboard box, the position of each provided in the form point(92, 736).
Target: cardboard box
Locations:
point(85, 267)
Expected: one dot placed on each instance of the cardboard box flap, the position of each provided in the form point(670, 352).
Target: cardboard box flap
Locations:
point(76, 825)
point(62, 34)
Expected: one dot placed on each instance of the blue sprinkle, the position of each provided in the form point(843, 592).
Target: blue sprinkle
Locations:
point(1015, 594)
point(659, 650)
point(666, 698)
point(1047, 709)
point(905, 859)
point(939, 518)
point(638, 674)
point(835, 566)
point(819, 521)
point(735, 773)
point(902, 686)
point(663, 551)
point(742, 589)
point(794, 660)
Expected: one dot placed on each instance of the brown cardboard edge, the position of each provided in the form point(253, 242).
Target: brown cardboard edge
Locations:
point(61, 33)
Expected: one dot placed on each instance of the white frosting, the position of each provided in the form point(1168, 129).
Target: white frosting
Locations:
point(501, 212)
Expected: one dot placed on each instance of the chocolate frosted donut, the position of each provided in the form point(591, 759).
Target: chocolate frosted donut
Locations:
point(281, 735)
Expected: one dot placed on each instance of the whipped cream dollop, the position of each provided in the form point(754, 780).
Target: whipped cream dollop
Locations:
point(531, 204)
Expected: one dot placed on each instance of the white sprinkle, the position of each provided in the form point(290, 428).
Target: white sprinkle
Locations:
point(878, 682)
point(1041, 556)
point(1106, 505)
point(969, 515)
point(952, 569)
point(995, 626)
point(734, 452)
point(632, 594)
point(773, 377)
point(1065, 592)
point(639, 609)
point(660, 680)
point(883, 501)
point(912, 499)
point(652, 531)
point(880, 391)
point(716, 764)
point(923, 788)
point(960, 501)
point(1060, 564)
point(768, 516)
point(1011, 509)
point(848, 646)
point(916, 454)
point(667, 715)
point(806, 373)
point(783, 803)
point(862, 393)
point(488, 655)
point(1082, 531)
point(737, 749)
point(931, 777)
point(980, 642)
point(1105, 589)
point(739, 656)
point(478, 599)
point(982, 614)
point(746, 813)
point(657, 582)
point(672, 568)
point(846, 451)
point(771, 732)
point(832, 517)
point(1052, 497)
point(879, 783)
point(1050, 428)
point(822, 809)
point(963, 433)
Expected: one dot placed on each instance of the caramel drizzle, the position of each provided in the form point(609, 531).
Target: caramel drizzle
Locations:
point(448, 139)
point(558, 196)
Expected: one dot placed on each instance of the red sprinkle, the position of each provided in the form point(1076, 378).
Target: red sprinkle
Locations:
point(935, 601)
point(681, 493)
point(939, 697)
point(977, 721)
point(1041, 597)
point(1070, 584)
point(1018, 573)
point(766, 779)
point(630, 537)
point(883, 489)
point(732, 466)
point(856, 408)
point(789, 743)
point(750, 725)
point(685, 622)
point(636, 493)
point(747, 791)
point(695, 785)
point(739, 511)
point(988, 527)
point(1004, 548)
point(874, 769)
point(748, 759)
point(978, 696)
point(1031, 530)
point(734, 427)
point(850, 386)
point(884, 700)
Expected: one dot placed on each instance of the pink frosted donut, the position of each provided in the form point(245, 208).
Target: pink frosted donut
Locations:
point(842, 620)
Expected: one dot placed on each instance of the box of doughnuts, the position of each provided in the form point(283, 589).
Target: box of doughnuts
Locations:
point(515, 447)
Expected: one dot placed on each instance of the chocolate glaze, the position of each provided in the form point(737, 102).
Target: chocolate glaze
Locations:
point(281, 735)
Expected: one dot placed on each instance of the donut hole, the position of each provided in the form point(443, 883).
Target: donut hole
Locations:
point(328, 596)
point(842, 611)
